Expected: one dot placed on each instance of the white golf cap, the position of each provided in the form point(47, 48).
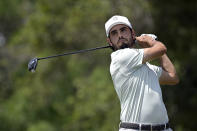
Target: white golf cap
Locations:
point(115, 20)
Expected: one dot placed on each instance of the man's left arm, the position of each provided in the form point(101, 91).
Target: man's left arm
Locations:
point(168, 76)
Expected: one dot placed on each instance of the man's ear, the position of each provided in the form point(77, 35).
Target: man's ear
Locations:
point(133, 33)
point(109, 41)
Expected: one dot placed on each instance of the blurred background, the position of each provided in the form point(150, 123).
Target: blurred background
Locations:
point(76, 93)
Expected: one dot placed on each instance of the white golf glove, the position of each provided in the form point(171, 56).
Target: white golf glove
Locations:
point(151, 35)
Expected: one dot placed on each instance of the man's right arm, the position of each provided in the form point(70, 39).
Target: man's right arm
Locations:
point(154, 49)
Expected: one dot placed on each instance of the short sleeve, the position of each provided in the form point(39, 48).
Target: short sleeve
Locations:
point(130, 58)
point(127, 59)
point(156, 69)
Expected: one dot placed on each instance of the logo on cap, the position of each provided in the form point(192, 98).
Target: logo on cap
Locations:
point(115, 18)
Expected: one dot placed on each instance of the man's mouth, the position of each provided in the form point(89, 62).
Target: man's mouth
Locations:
point(121, 40)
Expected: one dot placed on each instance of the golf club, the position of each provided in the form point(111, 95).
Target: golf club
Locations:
point(34, 62)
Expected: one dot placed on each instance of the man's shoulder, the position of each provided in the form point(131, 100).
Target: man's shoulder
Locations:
point(126, 50)
point(126, 60)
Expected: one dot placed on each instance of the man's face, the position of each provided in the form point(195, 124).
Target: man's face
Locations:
point(120, 36)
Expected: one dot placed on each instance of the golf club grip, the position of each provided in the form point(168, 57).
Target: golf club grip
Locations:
point(75, 52)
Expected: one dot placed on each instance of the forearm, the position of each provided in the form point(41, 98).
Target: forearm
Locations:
point(166, 64)
point(154, 51)
point(168, 67)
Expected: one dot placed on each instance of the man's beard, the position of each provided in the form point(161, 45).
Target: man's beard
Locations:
point(124, 45)
point(127, 44)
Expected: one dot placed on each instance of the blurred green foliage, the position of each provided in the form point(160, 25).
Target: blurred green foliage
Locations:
point(76, 92)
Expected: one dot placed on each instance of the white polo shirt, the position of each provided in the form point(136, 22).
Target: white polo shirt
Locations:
point(137, 86)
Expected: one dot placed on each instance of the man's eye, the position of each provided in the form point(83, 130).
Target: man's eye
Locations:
point(123, 29)
point(113, 32)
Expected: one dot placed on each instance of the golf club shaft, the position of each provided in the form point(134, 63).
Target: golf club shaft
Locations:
point(75, 52)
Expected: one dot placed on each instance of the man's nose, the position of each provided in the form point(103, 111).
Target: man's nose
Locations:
point(120, 35)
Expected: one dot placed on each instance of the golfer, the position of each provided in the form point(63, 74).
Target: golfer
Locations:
point(136, 81)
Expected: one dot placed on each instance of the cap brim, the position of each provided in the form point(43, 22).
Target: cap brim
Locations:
point(117, 23)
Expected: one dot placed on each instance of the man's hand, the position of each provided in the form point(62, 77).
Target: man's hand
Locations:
point(145, 41)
